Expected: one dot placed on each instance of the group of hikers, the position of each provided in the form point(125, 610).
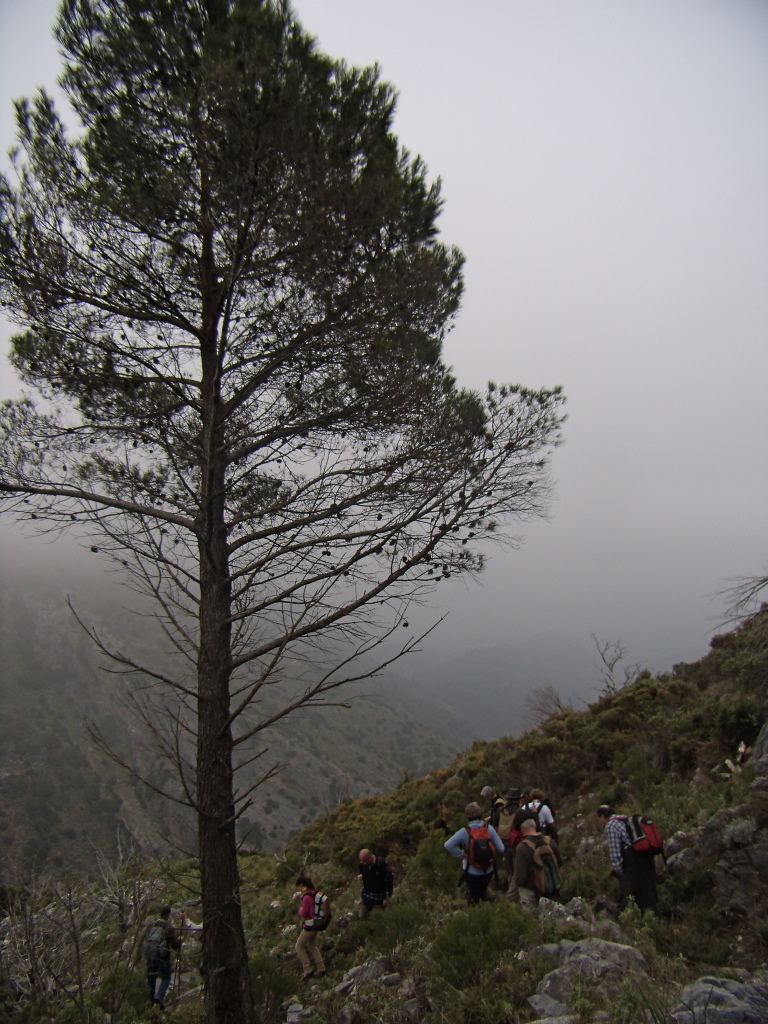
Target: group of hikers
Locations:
point(519, 832)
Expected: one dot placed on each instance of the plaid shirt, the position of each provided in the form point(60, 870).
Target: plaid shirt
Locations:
point(618, 841)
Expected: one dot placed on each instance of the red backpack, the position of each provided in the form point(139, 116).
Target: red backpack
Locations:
point(644, 835)
point(481, 852)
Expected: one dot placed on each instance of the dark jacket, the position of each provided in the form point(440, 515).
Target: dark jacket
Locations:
point(378, 881)
point(521, 815)
point(169, 939)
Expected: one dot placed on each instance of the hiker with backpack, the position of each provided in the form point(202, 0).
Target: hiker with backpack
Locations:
point(543, 810)
point(315, 915)
point(537, 866)
point(497, 805)
point(159, 939)
point(510, 834)
point(378, 883)
point(478, 845)
point(632, 855)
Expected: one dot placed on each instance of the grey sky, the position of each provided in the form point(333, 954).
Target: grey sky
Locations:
point(605, 170)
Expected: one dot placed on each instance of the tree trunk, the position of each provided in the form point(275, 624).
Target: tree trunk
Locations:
point(227, 984)
point(228, 998)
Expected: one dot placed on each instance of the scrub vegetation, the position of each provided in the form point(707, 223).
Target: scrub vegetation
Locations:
point(666, 746)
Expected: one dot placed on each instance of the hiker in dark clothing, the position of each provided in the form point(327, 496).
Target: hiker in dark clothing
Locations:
point(160, 938)
point(378, 883)
point(635, 871)
point(523, 810)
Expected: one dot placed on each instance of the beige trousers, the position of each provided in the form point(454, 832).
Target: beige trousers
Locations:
point(306, 947)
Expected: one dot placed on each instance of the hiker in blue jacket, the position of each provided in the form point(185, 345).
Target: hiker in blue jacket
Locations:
point(478, 845)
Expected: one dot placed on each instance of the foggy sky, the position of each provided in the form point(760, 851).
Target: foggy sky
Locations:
point(604, 170)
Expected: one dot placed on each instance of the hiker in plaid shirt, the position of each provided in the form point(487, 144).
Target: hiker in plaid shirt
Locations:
point(636, 872)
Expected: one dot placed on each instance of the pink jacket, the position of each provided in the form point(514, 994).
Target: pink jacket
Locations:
point(307, 908)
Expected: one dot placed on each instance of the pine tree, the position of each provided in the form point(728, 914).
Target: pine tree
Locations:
point(232, 303)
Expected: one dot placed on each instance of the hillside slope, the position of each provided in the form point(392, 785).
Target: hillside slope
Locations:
point(667, 746)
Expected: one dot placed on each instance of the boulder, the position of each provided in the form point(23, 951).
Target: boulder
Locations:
point(710, 842)
point(548, 1007)
point(760, 748)
point(684, 861)
point(678, 842)
point(740, 880)
point(557, 1020)
point(722, 1001)
point(590, 961)
point(577, 912)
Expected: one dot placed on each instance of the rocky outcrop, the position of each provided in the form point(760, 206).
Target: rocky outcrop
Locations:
point(578, 912)
point(760, 746)
point(590, 962)
point(732, 847)
point(722, 1001)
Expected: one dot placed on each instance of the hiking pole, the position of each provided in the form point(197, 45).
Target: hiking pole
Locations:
point(177, 980)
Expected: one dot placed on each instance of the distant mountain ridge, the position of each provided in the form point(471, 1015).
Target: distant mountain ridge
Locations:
point(56, 788)
point(483, 694)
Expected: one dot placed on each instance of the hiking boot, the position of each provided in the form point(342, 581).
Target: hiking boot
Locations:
point(307, 975)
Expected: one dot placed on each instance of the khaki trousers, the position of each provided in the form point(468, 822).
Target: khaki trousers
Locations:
point(306, 947)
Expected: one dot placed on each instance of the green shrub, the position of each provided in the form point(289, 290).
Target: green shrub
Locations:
point(474, 940)
point(739, 717)
point(481, 1004)
point(273, 983)
point(431, 867)
point(387, 931)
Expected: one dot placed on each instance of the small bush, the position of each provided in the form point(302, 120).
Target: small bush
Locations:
point(739, 832)
point(474, 940)
point(432, 868)
point(386, 931)
point(272, 984)
point(481, 1004)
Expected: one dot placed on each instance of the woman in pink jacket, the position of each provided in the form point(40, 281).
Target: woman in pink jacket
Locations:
point(306, 944)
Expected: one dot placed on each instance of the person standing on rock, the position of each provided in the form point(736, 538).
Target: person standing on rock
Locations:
point(635, 871)
point(378, 883)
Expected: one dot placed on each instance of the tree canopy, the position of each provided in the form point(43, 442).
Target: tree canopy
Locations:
point(232, 302)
